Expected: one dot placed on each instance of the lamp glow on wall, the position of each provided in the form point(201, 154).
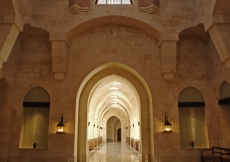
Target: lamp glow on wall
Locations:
point(60, 126)
point(167, 125)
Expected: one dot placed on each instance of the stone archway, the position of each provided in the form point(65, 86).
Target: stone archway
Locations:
point(111, 130)
point(146, 125)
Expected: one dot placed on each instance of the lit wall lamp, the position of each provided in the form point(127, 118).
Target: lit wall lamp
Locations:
point(60, 126)
point(168, 125)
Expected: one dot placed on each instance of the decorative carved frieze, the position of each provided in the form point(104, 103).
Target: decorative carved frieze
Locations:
point(77, 6)
point(149, 6)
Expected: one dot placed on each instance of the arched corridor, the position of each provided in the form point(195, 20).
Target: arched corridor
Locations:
point(113, 112)
point(114, 152)
point(113, 91)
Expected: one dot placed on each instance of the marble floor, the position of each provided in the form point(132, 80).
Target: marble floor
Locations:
point(113, 152)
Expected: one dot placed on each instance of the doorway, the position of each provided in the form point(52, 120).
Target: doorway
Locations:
point(119, 135)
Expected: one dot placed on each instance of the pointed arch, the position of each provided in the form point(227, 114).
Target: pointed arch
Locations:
point(139, 83)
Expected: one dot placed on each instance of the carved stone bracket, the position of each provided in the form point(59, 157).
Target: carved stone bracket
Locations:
point(168, 59)
point(60, 49)
point(59, 59)
point(219, 35)
point(77, 6)
point(149, 6)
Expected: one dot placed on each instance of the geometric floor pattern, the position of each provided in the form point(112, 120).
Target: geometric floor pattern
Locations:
point(113, 152)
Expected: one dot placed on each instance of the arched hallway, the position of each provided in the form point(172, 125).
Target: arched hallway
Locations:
point(113, 98)
point(114, 152)
point(113, 73)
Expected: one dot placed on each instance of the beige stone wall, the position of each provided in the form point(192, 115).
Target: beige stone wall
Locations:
point(87, 52)
point(132, 41)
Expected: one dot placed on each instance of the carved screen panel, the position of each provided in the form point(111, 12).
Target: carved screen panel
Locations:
point(114, 2)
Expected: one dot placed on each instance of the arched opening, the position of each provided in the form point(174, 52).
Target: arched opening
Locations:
point(36, 107)
point(105, 77)
point(113, 96)
point(225, 118)
point(113, 125)
point(191, 116)
point(119, 135)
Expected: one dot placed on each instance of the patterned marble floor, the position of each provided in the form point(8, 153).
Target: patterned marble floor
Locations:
point(113, 152)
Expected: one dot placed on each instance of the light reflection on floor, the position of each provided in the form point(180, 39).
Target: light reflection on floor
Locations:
point(113, 152)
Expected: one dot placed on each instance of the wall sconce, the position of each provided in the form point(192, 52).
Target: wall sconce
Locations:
point(88, 123)
point(167, 124)
point(138, 123)
point(60, 126)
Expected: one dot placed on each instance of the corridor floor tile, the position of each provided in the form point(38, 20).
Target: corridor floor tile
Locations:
point(114, 152)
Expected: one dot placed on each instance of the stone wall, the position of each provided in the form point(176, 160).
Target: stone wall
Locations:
point(134, 43)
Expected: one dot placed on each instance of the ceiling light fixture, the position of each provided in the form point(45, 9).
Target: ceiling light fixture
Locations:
point(113, 96)
point(113, 88)
point(113, 102)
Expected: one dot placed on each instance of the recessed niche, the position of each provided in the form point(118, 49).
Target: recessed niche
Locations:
point(35, 119)
point(191, 116)
point(225, 99)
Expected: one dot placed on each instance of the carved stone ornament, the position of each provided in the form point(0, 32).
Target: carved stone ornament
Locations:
point(149, 6)
point(77, 6)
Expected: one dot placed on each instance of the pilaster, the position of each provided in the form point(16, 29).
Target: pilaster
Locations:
point(168, 59)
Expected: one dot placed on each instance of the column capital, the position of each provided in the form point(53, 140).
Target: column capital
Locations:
point(59, 37)
point(168, 37)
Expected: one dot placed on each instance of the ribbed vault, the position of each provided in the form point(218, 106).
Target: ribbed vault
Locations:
point(113, 96)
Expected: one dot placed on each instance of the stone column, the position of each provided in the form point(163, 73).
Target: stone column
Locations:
point(220, 36)
point(60, 49)
point(168, 59)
